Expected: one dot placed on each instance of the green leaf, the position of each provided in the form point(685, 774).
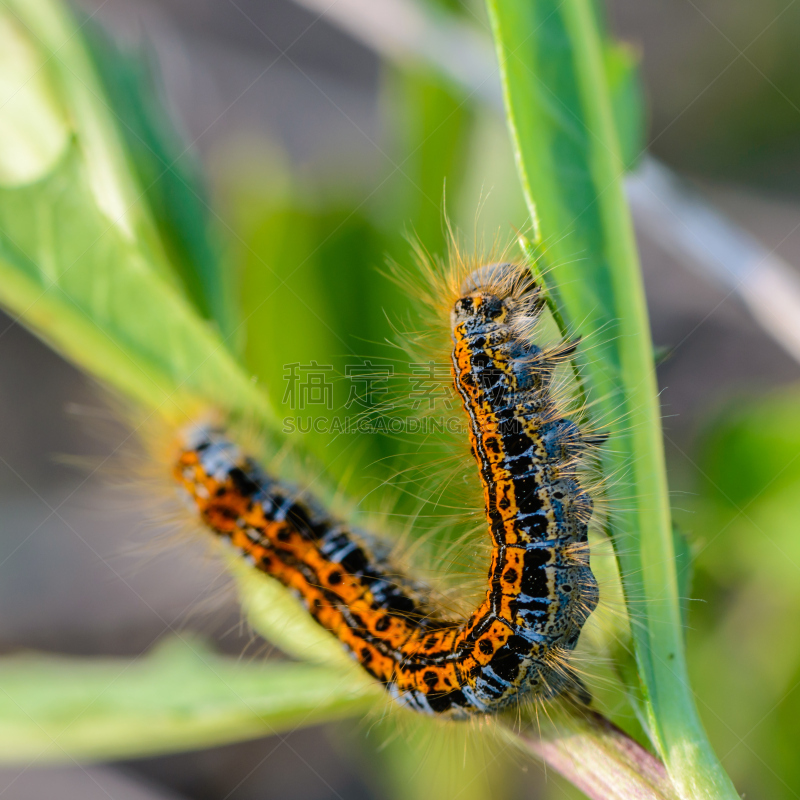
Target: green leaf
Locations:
point(80, 257)
point(570, 162)
point(180, 697)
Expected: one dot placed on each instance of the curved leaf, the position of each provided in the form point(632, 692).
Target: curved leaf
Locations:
point(181, 697)
point(80, 258)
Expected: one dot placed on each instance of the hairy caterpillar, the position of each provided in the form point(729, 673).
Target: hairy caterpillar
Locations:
point(540, 587)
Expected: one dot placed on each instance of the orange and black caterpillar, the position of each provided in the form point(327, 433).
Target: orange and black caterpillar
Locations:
point(540, 588)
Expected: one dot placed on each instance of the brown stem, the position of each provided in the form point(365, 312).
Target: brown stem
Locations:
point(597, 757)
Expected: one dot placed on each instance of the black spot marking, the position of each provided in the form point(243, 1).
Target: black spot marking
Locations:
point(442, 702)
point(430, 679)
point(518, 644)
point(243, 482)
point(318, 530)
point(355, 562)
point(506, 664)
point(534, 573)
point(400, 604)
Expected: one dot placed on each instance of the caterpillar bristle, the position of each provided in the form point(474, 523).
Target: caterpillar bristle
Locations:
point(596, 439)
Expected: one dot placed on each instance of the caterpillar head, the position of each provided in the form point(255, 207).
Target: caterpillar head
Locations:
point(495, 294)
point(478, 311)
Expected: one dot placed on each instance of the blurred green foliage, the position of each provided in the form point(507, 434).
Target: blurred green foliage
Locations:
point(743, 641)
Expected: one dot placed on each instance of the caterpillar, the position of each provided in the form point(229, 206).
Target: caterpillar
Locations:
point(540, 588)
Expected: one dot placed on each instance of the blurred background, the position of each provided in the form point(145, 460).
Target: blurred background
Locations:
point(319, 155)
